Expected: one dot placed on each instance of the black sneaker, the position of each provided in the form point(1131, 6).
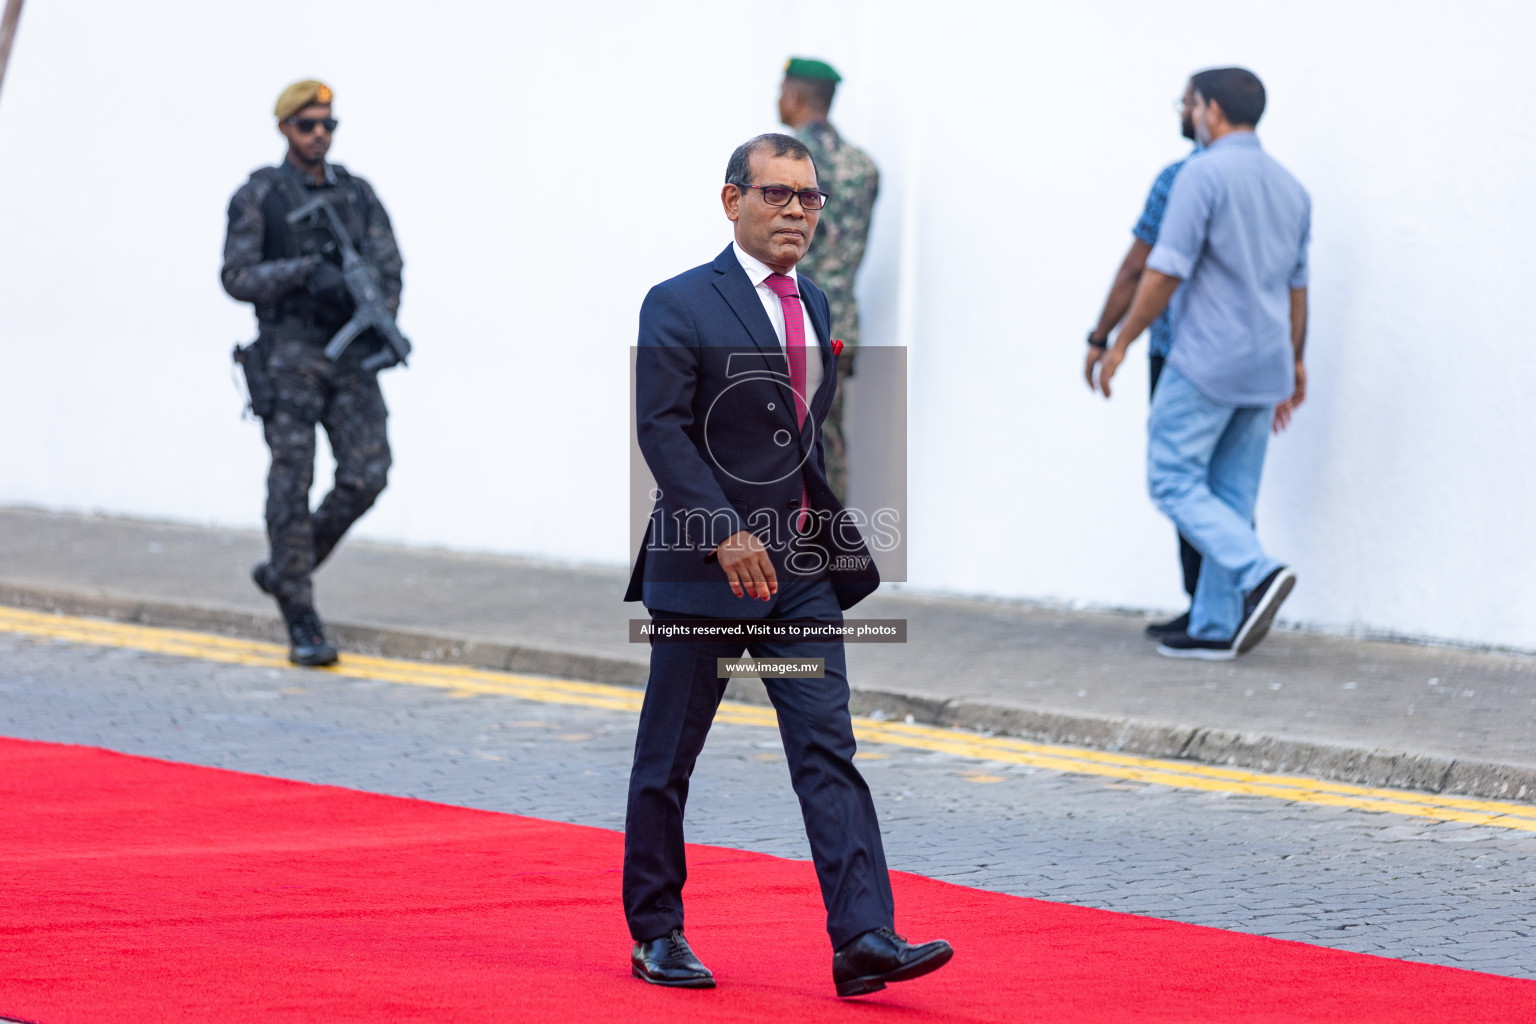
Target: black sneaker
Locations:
point(1158, 630)
point(1182, 645)
point(260, 578)
point(308, 645)
point(1259, 607)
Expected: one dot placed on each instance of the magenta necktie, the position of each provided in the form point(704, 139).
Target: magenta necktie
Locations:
point(794, 346)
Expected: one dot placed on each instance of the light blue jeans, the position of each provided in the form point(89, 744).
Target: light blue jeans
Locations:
point(1204, 460)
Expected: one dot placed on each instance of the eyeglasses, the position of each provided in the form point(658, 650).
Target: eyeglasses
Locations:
point(1181, 104)
point(778, 195)
point(305, 125)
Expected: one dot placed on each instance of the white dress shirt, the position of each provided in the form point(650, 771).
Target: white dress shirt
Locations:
point(757, 273)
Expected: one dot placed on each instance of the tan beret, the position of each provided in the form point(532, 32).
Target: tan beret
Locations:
point(300, 95)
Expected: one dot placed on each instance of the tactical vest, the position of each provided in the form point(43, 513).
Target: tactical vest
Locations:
point(281, 240)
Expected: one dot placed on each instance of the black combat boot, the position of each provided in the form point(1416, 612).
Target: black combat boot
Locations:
point(308, 645)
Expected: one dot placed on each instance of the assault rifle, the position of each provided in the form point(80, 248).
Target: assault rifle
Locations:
point(363, 285)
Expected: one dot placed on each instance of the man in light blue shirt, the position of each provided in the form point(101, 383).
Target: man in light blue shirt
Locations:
point(1235, 233)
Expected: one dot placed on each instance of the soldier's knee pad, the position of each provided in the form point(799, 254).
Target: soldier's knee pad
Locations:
point(367, 481)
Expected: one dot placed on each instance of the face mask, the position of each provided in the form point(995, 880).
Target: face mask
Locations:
point(1202, 131)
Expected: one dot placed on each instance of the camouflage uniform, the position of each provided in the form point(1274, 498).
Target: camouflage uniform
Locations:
point(834, 257)
point(269, 263)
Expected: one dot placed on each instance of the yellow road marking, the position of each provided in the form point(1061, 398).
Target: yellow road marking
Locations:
point(464, 681)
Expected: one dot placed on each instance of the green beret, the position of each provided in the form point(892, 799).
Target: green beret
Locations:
point(800, 67)
point(300, 95)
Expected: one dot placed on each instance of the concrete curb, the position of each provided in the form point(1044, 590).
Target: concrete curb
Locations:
point(1384, 768)
point(359, 638)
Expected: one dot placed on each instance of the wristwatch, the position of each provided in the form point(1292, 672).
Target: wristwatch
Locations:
point(1097, 342)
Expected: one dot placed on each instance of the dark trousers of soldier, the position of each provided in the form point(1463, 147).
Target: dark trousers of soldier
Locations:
point(346, 400)
point(1189, 557)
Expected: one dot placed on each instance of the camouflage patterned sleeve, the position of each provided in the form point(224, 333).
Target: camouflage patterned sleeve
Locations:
point(837, 249)
point(246, 275)
point(380, 250)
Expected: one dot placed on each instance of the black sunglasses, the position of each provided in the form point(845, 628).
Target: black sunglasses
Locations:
point(305, 125)
point(778, 195)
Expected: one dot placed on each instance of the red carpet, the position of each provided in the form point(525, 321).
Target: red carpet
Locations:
point(138, 890)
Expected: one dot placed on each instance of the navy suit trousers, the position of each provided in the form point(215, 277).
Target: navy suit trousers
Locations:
point(814, 722)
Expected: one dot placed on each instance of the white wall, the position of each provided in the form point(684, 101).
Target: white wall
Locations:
point(512, 143)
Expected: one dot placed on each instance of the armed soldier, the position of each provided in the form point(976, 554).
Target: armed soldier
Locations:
point(838, 248)
point(314, 278)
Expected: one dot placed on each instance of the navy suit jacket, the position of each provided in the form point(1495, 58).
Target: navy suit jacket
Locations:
point(716, 422)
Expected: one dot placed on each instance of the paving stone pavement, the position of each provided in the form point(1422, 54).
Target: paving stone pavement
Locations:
point(1370, 882)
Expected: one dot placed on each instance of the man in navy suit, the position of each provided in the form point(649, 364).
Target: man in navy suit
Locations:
point(735, 374)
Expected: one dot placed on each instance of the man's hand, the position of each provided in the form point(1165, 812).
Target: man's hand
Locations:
point(1118, 304)
point(1287, 408)
point(1152, 295)
point(1113, 357)
point(1094, 355)
point(747, 566)
point(328, 286)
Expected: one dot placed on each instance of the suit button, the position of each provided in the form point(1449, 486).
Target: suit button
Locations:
point(794, 502)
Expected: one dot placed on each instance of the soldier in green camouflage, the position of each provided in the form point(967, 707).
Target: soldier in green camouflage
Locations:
point(838, 247)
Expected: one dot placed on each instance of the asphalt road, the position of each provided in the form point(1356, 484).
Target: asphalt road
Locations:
point(1431, 891)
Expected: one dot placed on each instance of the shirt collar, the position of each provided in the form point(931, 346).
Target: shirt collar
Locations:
point(757, 270)
point(1237, 139)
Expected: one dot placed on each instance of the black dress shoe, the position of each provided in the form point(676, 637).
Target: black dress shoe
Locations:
point(1158, 630)
point(307, 643)
point(874, 958)
point(259, 577)
point(669, 961)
